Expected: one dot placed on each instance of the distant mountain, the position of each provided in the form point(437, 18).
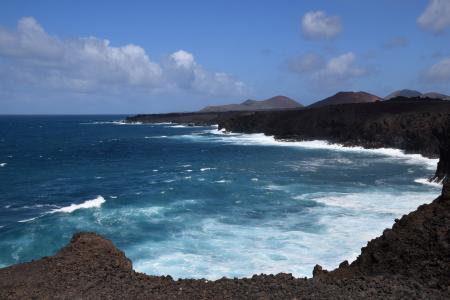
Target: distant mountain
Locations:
point(274, 103)
point(434, 95)
point(403, 93)
point(347, 97)
point(416, 94)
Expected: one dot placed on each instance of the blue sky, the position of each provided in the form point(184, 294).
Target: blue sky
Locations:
point(160, 56)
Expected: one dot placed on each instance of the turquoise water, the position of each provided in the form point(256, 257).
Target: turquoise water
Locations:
point(193, 201)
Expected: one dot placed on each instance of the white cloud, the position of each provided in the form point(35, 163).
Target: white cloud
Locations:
point(436, 17)
point(337, 71)
point(36, 58)
point(439, 72)
point(316, 25)
point(342, 66)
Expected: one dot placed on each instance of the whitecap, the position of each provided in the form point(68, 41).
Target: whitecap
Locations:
point(119, 122)
point(223, 181)
point(425, 181)
point(3, 165)
point(206, 169)
point(94, 203)
point(27, 220)
point(371, 202)
point(260, 139)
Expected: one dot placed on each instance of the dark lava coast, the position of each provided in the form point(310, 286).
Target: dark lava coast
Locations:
point(411, 260)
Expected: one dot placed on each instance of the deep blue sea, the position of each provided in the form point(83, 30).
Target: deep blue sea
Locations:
point(196, 202)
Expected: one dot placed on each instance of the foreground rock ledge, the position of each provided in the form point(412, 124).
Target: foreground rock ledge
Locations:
point(411, 260)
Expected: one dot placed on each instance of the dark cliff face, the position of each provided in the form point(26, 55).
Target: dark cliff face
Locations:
point(443, 167)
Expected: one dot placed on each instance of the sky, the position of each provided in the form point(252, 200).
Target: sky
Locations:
point(107, 57)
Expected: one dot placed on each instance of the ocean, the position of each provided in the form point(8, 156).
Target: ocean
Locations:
point(194, 201)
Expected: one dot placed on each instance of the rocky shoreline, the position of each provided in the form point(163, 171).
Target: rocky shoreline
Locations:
point(413, 125)
point(411, 260)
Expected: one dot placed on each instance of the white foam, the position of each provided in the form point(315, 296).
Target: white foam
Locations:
point(255, 179)
point(119, 122)
point(223, 181)
point(371, 202)
point(428, 182)
point(3, 165)
point(278, 244)
point(162, 123)
point(27, 220)
point(206, 169)
point(260, 139)
point(94, 203)
point(155, 137)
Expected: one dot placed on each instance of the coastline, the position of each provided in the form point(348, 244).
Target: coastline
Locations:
point(391, 266)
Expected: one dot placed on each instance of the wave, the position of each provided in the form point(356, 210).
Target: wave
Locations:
point(260, 139)
point(94, 203)
point(206, 169)
point(178, 126)
point(223, 181)
point(372, 202)
point(155, 137)
point(3, 165)
point(118, 122)
point(428, 182)
point(27, 220)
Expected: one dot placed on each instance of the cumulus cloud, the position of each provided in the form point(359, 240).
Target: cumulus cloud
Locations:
point(436, 17)
point(337, 71)
point(439, 72)
point(396, 42)
point(90, 64)
point(317, 25)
